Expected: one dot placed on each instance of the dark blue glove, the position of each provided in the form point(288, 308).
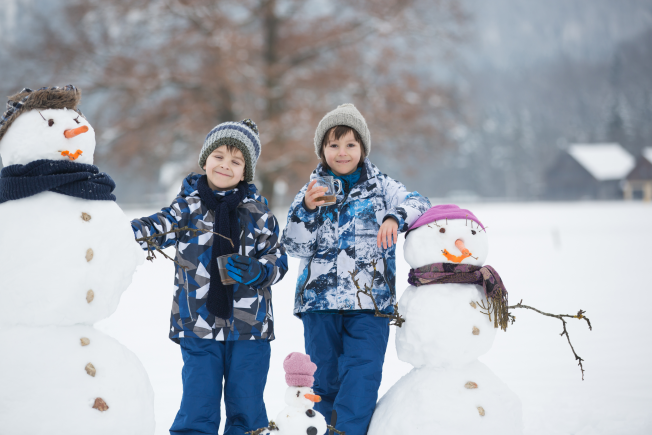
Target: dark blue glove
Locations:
point(246, 270)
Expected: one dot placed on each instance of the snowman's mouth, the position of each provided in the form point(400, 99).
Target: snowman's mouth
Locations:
point(72, 156)
point(458, 258)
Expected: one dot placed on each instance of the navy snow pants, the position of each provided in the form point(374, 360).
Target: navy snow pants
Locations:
point(349, 350)
point(243, 365)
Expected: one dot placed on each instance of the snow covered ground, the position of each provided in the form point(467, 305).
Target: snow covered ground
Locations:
point(557, 257)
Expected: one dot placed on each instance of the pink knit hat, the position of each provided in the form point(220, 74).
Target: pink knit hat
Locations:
point(444, 211)
point(299, 370)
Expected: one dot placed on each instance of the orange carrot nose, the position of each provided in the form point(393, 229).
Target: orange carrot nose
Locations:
point(75, 131)
point(460, 245)
point(312, 397)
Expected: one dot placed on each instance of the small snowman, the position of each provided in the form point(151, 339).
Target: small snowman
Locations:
point(66, 255)
point(298, 417)
point(452, 311)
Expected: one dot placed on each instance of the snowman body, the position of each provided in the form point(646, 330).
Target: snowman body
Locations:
point(448, 390)
point(298, 417)
point(64, 263)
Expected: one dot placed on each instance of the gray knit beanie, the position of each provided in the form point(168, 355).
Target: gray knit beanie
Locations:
point(243, 135)
point(345, 114)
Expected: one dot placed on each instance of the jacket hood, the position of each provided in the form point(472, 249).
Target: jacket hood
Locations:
point(189, 188)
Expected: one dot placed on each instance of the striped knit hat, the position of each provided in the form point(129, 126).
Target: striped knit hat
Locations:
point(344, 114)
point(243, 135)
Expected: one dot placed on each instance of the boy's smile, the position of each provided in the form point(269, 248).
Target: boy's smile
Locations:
point(343, 154)
point(225, 168)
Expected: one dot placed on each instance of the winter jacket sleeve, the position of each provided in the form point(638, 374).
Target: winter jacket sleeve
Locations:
point(169, 218)
point(269, 251)
point(300, 234)
point(404, 206)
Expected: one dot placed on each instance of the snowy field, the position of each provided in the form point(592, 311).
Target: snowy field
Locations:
point(557, 257)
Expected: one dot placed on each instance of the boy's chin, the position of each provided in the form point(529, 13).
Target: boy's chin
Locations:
point(223, 184)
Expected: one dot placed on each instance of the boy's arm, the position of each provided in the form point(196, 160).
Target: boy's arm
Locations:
point(169, 218)
point(404, 206)
point(266, 263)
point(300, 234)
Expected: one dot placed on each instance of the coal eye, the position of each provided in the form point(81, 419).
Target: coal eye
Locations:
point(76, 120)
point(298, 392)
point(442, 230)
point(473, 232)
point(50, 122)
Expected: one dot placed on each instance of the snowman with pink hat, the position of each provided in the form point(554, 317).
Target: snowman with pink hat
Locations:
point(452, 309)
point(298, 417)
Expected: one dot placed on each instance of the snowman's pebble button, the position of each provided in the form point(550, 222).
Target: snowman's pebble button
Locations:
point(85, 341)
point(476, 331)
point(470, 385)
point(89, 254)
point(90, 369)
point(311, 430)
point(85, 216)
point(100, 405)
point(473, 304)
point(90, 295)
point(481, 411)
point(310, 413)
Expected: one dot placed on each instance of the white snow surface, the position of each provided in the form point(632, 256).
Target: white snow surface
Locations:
point(46, 390)
point(433, 400)
point(31, 137)
point(558, 257)
point(608, 161)
point(43, 259)
point(647, 153)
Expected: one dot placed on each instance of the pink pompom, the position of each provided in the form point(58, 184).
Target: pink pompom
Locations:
point(299, 370)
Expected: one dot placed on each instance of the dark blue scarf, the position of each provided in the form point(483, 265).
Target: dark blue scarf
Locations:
point(220, 296)
point(60, 176)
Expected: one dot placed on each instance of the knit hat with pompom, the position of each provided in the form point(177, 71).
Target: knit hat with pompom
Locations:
point(299, 370)
point(243, 135)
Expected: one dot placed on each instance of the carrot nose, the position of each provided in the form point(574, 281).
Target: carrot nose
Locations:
point(460, 245)
point(312, 397)
point(75, 131)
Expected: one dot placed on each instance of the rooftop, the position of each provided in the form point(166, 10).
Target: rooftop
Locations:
point(604, 161)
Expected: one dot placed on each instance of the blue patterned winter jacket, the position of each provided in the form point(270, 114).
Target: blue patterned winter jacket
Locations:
point(335, 240)
point(252, 316)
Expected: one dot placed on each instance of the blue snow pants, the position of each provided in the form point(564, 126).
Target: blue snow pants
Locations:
point(349, 350)
point(243, 365)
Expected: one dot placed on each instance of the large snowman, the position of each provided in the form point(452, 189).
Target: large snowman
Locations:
point(446, 329)
point(66, 255)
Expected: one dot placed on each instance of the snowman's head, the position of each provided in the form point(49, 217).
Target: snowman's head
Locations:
point(301, 397)
point(45, 124)
point(446, 240)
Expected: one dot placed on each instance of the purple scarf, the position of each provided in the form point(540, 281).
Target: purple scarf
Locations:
point(486, 276)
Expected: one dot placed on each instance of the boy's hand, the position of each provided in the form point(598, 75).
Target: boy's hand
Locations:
point(388, 230)
point(245, 270)
point(310, 200)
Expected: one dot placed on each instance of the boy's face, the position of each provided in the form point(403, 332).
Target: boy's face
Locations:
point(343, 154)
point(225, 169)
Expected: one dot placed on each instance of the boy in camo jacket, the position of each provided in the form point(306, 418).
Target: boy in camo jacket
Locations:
point(224, 330)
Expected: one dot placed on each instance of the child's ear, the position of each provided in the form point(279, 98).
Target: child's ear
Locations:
point(243, 176)
point(204, 168)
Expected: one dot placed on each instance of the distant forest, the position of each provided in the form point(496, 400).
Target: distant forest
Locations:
point(468, 99)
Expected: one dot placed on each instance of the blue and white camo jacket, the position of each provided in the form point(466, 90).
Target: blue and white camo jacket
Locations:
point(252, 317)
point(334, 240)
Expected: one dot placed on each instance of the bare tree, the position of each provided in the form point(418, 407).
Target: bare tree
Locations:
point(167, 71)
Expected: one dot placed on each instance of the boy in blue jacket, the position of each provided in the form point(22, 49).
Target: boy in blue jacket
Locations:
point(224, 330)
point(342, 335)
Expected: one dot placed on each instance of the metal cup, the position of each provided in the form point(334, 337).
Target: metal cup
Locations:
point(330, 196)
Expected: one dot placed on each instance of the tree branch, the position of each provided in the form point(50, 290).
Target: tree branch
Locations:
point(395, 318)
point(580, 315)
point(153, 246)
